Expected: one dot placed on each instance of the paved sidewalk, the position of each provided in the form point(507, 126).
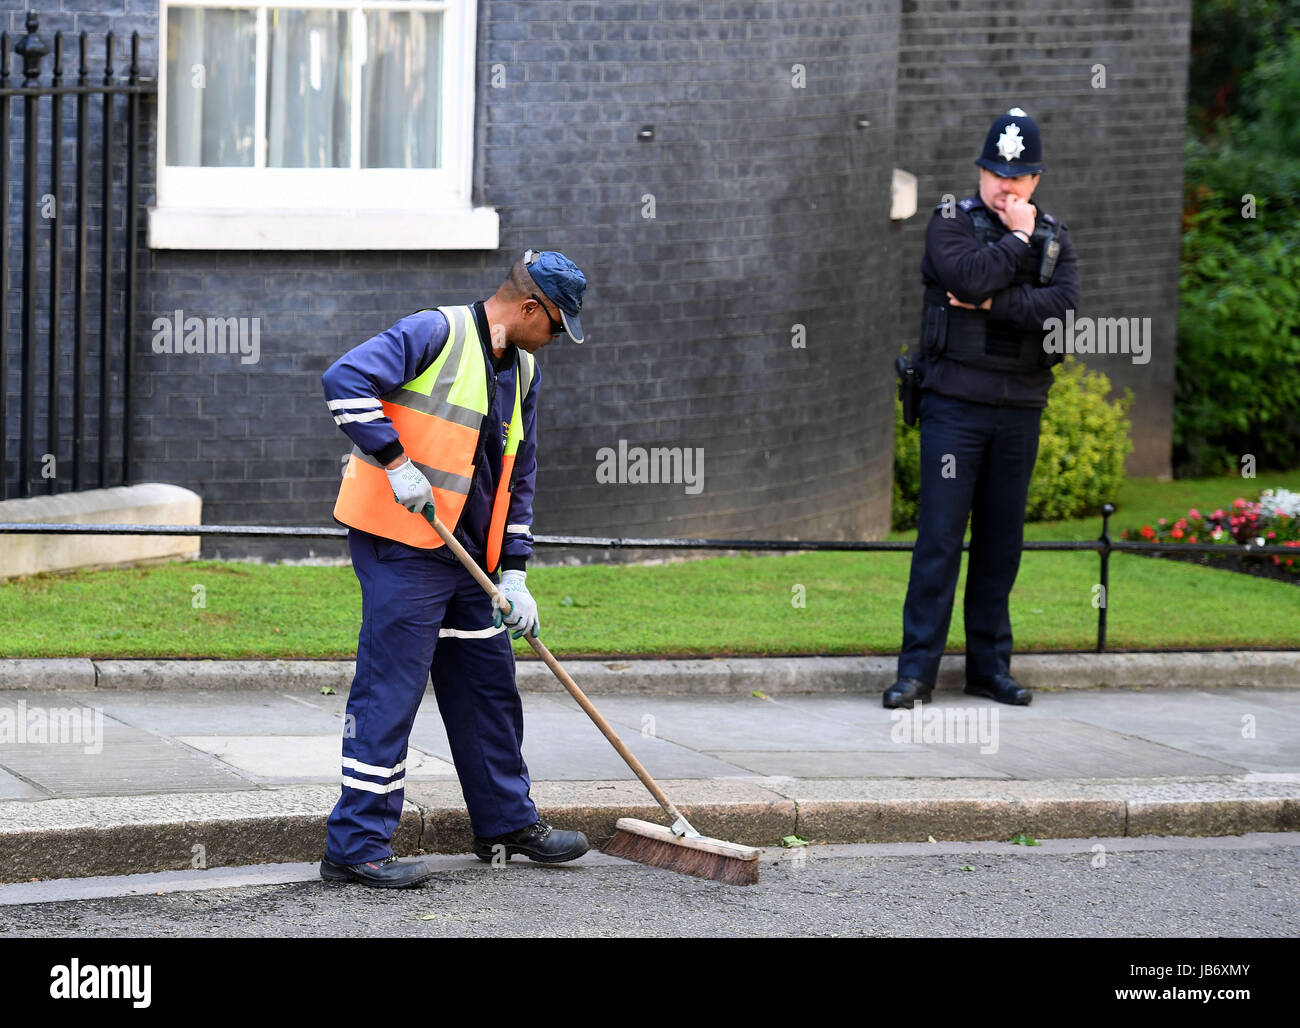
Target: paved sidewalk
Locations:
point(125, 781)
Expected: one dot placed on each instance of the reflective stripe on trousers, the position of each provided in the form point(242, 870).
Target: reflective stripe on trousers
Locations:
point(421, 613)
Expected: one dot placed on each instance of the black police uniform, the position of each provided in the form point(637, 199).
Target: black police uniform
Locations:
point(984, 380)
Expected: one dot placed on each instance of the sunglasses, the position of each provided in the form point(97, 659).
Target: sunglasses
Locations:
point(557, 328)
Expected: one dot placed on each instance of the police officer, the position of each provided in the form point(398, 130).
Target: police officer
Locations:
point(441, 409)
point(995, 268)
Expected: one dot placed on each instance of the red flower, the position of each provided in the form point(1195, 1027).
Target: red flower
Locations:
point(1191, 538)
point(1177, 533)
point(1239, 502)
point(1148, 532)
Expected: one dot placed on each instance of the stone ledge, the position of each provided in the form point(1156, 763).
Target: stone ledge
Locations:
point(149, 503)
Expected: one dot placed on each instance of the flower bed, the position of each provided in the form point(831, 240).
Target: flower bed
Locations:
point(1272, 520)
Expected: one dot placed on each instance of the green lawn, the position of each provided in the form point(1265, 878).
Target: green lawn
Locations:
point(852, 602)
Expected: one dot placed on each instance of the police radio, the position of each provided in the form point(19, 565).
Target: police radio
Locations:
point(1051, 251)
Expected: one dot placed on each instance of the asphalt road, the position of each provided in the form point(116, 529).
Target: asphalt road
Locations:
point(1245, 886)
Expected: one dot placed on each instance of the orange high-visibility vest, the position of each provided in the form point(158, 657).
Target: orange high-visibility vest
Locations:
point(438, 416)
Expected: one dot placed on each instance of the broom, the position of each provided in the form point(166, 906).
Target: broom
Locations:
point(679, 848)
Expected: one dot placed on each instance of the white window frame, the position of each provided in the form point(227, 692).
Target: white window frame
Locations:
point(261, 208)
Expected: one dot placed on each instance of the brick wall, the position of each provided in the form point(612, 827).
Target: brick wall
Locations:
point(771, 211)
point(766, 199)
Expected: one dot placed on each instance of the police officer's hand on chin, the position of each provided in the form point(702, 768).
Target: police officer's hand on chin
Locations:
point(1017, 213)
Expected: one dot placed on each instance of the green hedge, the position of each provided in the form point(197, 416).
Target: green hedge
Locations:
point(1238, 376)
point(1238, 360)
point(1081, 449)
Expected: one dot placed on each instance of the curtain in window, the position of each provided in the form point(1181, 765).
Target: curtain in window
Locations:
point(401, 90)
point(211, 88)
point(309, 81)
point(211, 83)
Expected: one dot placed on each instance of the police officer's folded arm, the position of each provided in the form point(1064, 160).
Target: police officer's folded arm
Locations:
point(971, 271)
point(1028, 306)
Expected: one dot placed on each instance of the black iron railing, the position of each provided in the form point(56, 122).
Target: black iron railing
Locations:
point(46, 201)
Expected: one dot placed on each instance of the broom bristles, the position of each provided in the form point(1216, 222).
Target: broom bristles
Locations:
point(702, 857)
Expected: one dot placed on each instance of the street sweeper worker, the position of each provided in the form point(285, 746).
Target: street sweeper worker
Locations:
point(441, 409)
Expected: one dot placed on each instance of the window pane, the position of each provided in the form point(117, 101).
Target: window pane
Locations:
point(211, 68)
point(309, 85)
point(401, 90)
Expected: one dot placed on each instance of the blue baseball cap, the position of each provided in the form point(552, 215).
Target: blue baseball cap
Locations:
point(563, 283)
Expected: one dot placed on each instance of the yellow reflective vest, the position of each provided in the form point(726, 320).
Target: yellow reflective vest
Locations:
point(438, 416)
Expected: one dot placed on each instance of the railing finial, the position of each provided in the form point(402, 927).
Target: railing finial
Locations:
point(32, 49)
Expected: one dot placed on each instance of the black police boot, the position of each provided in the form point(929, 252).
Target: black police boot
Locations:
point(389, 873)
point(1002, 688)
point(539, 841)
point(905, 692)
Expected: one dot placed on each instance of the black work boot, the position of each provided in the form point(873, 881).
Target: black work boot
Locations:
point(389, 873)
point(1002, 688)
point(539, 841)
point(905, 692)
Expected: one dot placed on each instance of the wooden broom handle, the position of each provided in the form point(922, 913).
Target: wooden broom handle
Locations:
point(540, 649)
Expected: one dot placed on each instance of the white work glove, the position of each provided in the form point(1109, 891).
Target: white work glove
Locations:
point(523, 608)
point(410, 487)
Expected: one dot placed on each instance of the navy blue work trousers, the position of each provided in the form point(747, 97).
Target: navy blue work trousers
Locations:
point(976, 462)
point(421, 613)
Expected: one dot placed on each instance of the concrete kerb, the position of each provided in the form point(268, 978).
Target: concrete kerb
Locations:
point(70, 673)
point(78, 838)
point(190, 675)
point(126, 835)
point(723, 676)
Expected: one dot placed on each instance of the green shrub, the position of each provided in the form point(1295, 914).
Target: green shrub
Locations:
point(1228, 37)
point(1237, 386)
point(907, 470)
point(1082, 444)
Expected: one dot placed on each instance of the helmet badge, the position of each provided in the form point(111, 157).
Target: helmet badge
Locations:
point(1010, 144)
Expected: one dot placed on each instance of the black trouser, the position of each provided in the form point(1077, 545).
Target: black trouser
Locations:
point(976, 461)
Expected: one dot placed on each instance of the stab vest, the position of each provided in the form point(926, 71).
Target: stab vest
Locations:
point(971, 336)
point(438, 416)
